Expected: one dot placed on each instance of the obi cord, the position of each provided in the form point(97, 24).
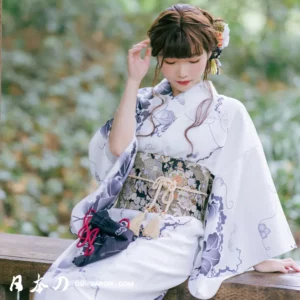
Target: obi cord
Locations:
point(152, 229)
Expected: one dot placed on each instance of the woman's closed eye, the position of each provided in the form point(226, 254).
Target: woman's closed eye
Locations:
point(173, 62)
point(195, 61)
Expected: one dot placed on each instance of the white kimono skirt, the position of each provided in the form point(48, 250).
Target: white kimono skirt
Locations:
point(244, 222)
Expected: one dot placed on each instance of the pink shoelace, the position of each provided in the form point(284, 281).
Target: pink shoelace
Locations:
point(86, 235)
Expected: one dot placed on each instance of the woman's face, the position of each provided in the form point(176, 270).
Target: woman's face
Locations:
point(183, 73)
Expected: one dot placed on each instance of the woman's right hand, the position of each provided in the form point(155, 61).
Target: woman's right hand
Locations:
point(138, 67)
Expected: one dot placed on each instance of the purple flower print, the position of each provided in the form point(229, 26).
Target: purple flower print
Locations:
point(263, 230)
point(213, 209)
point(164, 88)
point(105, 129)
point(165, 117)
point(211, 254)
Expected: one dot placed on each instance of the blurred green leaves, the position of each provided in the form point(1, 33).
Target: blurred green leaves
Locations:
point(64, 68)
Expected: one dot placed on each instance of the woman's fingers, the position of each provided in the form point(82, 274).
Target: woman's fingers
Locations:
point(139, 46)
point(138, 49)
point(147, 55)
point(138, 66)
point(148, 52)
point(291, 264)
point(145, 42)
point(277, 265)
point(282, 269)
point(132, 50)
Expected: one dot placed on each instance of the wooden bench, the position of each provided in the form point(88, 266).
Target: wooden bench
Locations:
point(32, 255)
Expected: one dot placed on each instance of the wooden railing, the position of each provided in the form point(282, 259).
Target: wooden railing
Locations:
point(29, 256)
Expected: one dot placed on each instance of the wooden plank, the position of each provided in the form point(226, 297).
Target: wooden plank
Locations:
point(28, 270)
point(6, 294)
point(238, 291)
point(31, 248)
point(249, 292)
point(30, 255)
point(289, 280)
point(2, 292)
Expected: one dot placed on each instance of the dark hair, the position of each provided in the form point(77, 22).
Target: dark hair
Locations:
point(184, 31)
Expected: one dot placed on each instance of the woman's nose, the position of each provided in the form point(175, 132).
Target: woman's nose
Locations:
point(182, 71)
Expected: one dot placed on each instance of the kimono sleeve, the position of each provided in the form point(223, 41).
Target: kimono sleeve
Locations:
point(100, 157)
point(110, 171)
point(244, 221)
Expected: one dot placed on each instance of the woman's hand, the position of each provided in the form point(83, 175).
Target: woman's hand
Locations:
point(138, 67)
point(277, 265)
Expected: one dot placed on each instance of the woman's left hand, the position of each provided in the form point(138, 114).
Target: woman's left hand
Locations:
point(277, 265)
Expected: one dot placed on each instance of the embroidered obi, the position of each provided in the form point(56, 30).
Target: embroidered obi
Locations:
point(193, 186)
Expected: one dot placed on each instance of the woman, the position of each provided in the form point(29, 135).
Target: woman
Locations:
point(186, 169)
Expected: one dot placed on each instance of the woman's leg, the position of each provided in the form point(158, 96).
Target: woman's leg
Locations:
point(144, 271)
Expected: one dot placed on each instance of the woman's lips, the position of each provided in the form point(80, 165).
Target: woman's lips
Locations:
point(184, 82)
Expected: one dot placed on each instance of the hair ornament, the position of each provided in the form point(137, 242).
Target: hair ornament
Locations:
point(222, 35)
point(215, 65)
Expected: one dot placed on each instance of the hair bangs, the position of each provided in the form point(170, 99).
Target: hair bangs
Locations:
point(179, 44)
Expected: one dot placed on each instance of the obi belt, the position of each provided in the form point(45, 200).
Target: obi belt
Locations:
point(178, 187)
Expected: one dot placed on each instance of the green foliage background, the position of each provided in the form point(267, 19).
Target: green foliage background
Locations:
point(64, 69)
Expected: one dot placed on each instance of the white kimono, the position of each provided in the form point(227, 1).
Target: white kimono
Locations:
point(244, 222)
